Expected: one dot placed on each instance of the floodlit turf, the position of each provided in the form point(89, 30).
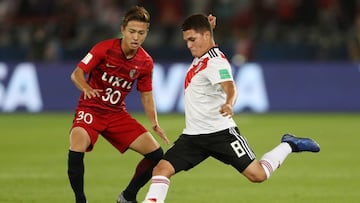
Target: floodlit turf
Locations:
point(33, 161)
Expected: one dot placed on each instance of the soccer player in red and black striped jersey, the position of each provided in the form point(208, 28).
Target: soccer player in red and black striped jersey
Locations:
point(105, 76)
point(210, 130)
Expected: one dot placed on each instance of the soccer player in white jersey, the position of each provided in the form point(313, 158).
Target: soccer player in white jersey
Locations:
point(209, 96)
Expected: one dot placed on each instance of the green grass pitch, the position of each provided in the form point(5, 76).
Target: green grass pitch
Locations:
point(33, 162)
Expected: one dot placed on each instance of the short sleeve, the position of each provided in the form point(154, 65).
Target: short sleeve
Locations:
point(93, 57)
point(219, 70)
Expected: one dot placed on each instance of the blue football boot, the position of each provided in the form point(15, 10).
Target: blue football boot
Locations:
point(299, 144)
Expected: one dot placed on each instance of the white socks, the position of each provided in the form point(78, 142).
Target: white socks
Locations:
point(274, 158)
point(158, 188)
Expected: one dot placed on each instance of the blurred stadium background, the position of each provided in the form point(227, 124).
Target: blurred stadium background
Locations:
point(317, 30)
point(287, 55)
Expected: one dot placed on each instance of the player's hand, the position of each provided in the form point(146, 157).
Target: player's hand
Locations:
point(226, 110)
point(91, 93)
point(161, 133)
point(212, 21)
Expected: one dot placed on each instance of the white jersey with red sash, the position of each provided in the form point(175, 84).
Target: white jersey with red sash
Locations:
point(203, 95)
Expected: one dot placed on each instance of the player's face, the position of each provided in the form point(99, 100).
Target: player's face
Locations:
point(197, 43)
point(134, 34)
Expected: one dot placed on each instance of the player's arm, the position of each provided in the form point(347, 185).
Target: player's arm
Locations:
point(148, 102)
point(78, 78)
point(231, 95)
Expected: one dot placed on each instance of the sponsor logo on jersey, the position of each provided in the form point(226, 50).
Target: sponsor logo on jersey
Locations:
point(116, 81)
point(110, 66)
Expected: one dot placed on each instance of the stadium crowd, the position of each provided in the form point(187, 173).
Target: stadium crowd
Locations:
point(320, 30)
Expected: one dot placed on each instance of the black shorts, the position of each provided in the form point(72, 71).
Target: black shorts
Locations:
point(227, 146)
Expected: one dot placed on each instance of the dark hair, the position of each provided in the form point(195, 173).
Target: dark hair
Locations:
point(137, 13)
point(197, 22)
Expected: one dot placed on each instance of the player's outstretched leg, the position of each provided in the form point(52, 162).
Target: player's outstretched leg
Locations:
point(299, 144)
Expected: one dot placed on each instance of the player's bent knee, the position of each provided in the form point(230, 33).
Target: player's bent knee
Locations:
point(257, 178)
point(255, 172)
point(156, 155)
